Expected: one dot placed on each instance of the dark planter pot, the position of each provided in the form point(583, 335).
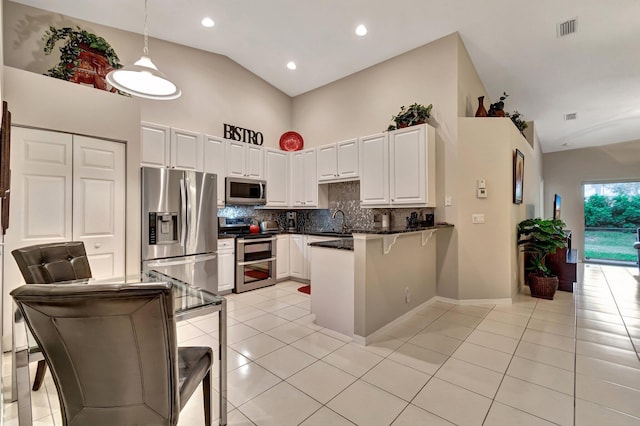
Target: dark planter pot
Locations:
point(543, 287)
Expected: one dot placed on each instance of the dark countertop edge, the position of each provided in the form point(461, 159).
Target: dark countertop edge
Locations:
point(400, 230)
point(340, 244)
point(373, 231)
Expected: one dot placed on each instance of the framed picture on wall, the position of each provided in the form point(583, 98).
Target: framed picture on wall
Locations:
point(518, 176)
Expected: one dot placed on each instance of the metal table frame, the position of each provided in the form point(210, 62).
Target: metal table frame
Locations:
point(21, 349)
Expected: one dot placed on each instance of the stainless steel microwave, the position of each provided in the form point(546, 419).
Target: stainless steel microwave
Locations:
point(246, 191)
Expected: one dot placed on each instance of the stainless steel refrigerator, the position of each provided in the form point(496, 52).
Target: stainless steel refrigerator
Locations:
point(180, 225)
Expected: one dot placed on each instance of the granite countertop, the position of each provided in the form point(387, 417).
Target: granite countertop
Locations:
point(400, 230)
point(340, 244)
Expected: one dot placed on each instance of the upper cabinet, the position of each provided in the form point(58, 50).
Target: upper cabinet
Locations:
point(154, 145)
point(304, 180)
point(277, 177)
point(412, 166)
point(338, 162)
point(162, 146)
point(398, 168)
point(214, 162)
point(244, 160)
point(374, 170)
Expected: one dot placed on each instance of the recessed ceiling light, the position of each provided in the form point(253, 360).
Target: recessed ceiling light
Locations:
point(207, 22)
point(292, 65)
point(361, 30)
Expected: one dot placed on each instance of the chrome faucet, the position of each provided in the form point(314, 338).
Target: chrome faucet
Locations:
point(344, 219)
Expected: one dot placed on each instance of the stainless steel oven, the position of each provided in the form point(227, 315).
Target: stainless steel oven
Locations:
point(255, 262)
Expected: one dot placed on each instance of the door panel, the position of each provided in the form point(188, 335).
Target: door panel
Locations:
point(41, 170)
point(45, 194)
point(98, 207)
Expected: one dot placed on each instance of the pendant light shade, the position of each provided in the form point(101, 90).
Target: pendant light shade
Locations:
point(143, 79)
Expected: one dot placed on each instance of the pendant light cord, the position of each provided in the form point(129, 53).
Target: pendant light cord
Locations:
point(146, 31)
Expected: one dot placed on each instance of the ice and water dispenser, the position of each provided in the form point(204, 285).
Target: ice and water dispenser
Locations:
point(163, 228)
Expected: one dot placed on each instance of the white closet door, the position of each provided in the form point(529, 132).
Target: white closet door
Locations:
point(98, 203)
point(41, 187)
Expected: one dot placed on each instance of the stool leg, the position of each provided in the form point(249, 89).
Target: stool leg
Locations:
point(42, 368)
point(206, 395)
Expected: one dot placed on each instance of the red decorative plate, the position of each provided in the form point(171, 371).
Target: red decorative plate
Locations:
point(291, 141)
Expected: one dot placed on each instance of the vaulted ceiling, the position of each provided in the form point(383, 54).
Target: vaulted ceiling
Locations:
point(594, 72)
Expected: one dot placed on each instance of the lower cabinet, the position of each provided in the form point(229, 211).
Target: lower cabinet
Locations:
point(283, 270)
point(297, 255)
point(226, 265)
point(300, 254)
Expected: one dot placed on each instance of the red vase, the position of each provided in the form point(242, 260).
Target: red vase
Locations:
point(481, 111)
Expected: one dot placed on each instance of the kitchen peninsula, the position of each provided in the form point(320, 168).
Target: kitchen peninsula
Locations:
point(360, 287)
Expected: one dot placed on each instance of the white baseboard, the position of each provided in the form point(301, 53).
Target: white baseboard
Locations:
point(505, 301)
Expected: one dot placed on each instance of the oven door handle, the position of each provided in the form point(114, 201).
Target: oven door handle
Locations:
point(255, 240)
point(254, 262)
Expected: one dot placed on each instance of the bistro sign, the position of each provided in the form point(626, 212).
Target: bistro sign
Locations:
point(236, 133)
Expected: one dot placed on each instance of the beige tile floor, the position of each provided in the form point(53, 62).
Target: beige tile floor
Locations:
point(573, 360)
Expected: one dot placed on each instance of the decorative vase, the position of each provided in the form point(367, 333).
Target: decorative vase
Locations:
point(481, 111)
point(500, 113)
point(543, 287)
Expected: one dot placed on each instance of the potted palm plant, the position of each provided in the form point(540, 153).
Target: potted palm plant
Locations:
point(540, 237)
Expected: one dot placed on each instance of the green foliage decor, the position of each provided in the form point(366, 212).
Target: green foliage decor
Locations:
point(540, 237)
point(515, 117)
point(70, 51)
point(411, 116)
point(619, 211)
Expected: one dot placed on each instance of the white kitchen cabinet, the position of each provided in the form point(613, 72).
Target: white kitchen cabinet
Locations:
point(244, 160)
point(226, 265)
point(162, 146)
point(214, 162)
point(186, 150)
point(338, 162)
point(399, 168)
point(304, 181)
point(412, 166)
point(297, 255)
point(277, 177)
point(374, 170)
point(283, 261)
point(155, 143)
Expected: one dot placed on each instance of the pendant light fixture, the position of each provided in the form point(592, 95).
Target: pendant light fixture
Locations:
point(143, 79)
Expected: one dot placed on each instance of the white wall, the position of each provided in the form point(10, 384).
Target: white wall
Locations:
point(566, 171)
point(215, 89)
point(43, 102)
point(488, 253)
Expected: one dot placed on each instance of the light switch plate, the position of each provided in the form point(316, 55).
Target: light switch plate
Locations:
point(447, 201)
point(482, 184)
point(477, 218)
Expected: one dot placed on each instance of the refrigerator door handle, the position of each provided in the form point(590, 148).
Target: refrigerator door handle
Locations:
point(187, 193)
point(183, 213)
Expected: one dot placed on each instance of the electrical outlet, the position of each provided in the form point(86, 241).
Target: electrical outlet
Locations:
point(447, 201)
point(481, 193)
point(477, 218)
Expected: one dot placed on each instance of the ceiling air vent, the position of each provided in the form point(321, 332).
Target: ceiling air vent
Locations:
point(571, 116)
point(567, 27)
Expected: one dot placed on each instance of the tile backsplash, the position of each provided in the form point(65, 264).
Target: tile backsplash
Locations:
point(343, 196)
